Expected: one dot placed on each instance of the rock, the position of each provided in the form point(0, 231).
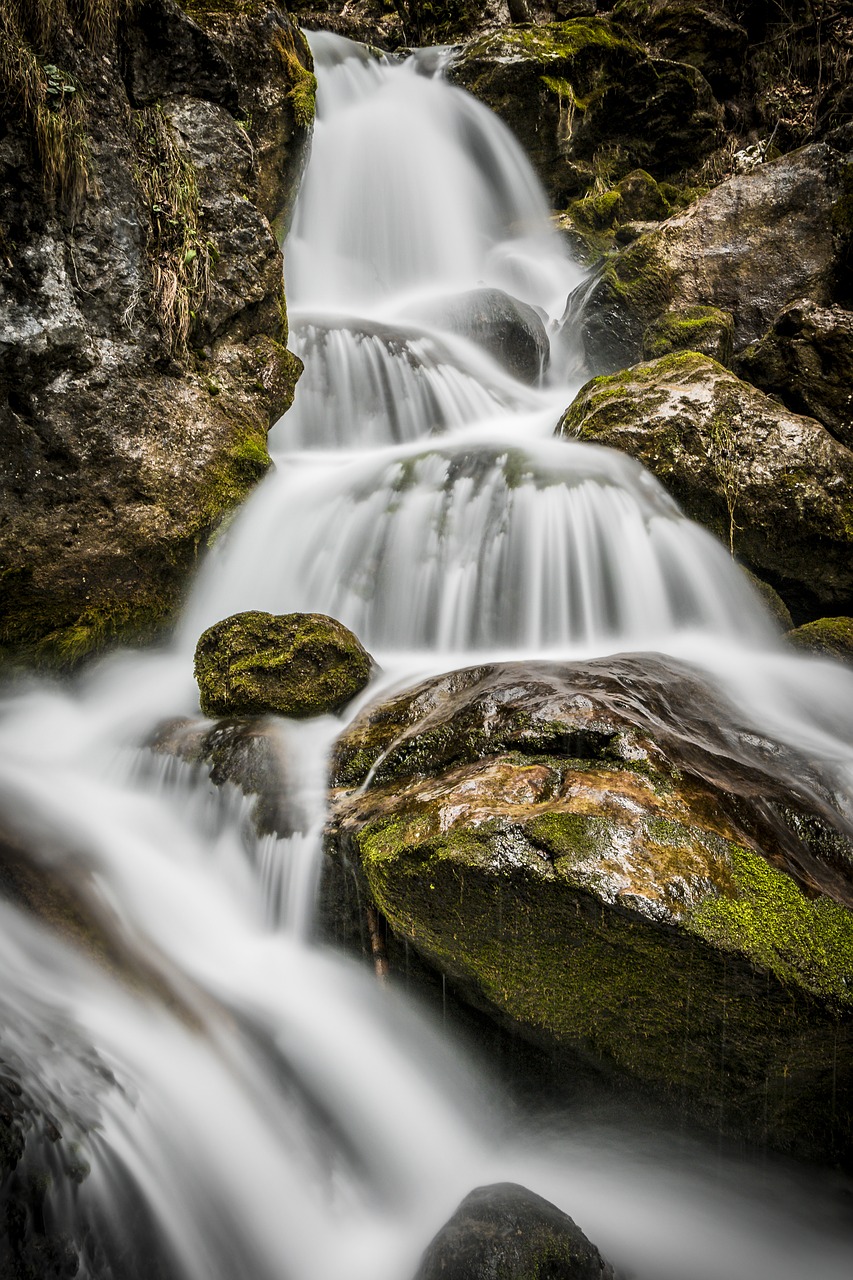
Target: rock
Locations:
point(575, 91)
point(142, 350)
point(707, 330)
point(247, 753)
point(749, 247)
point(772, 600)
point(806, 358)
point(699, 32)
point(826, 637)
point(595, 224)
point(739, 463)
point(605, 858)
point(505, 1230)
point(294, 664)
point(508, 329)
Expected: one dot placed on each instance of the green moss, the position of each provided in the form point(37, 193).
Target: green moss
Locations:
point(596, 213)
point(707, 330)
point(559, 41)
point(831, 637)
point(296, 665)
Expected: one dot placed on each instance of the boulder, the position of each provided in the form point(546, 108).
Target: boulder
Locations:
point(576, 91)
point(741, 464)
point(294, 664)
point(247, 753)
point(606, 858)
point(806, 358)
point(703, 33)
point(826, 638)
point(142, 352)
point(505, 1230)
point(707, 330)
point(752, 245)
point(508, 329)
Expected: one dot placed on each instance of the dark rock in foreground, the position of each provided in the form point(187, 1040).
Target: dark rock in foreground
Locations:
point(295, 664)
point(508, 329)
point(508, 1232)
point(607, 860)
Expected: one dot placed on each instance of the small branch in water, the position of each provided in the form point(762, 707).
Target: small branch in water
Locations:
point(377, 944)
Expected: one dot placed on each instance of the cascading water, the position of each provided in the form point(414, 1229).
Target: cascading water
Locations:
point(257, 1101)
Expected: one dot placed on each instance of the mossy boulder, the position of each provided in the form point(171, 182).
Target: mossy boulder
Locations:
point(806, 358)
point(703, 33)
point(577, 91)
point(749, 247)
point(605, 858)
point(741, 464)
point(144, 343)
point(293, 664)
point(597, 223)
point(825, 637)
point(505, 1230)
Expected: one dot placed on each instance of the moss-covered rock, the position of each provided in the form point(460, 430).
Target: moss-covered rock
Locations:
point(602, 856)
point(703, 33)
point(708, 330)
point(505, 1230)
point(294, 664)
point(739, 463)
point(806, 358)
point(581, 93)
point(748, 247)
point(825, 637)
point(144, 355)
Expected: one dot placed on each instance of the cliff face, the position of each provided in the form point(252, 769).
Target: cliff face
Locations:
point(142, 318)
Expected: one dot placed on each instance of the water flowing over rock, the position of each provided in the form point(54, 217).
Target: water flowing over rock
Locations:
point(607, 857)
point(741, 464)
point(143, 353)
point(750, 246)
point(506, 1230)
point(301, 664)
point(570, 89)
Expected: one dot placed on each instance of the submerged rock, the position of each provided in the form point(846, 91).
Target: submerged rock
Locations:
point(143, 355)
point(508, 329)
point(505, 1230)
point(605, 858)
point(571, 89)
point(739, 463)
point(749, 247)
point(294, 664)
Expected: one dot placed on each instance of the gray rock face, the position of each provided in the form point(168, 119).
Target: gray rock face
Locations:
point(142, 343)
point(749, 247)
point(774, 485)
point(505, 1230)
point(806, 358)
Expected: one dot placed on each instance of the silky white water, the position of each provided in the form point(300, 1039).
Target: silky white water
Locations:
point(277, 1113)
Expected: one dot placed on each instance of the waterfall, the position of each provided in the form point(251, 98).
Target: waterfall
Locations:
point(254, 1100)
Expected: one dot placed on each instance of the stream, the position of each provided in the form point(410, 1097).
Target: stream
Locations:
point(248, 1100)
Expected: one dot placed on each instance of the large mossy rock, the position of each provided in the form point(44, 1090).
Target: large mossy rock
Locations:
point(507, 1231)
point(572, 90)
point(704, 33)
point(806, 358)
point(825, 638)
point(293, 664)
point(606, 859)
point(752, 245)
point(143, 354)
point(775, 486)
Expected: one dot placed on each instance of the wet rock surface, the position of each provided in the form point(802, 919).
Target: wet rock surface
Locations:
point(508, 1231)
point(295, 664)
point(749, 247)
point(142, 356)
point(606, 859)
point(508, 329)
point(741, 464)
